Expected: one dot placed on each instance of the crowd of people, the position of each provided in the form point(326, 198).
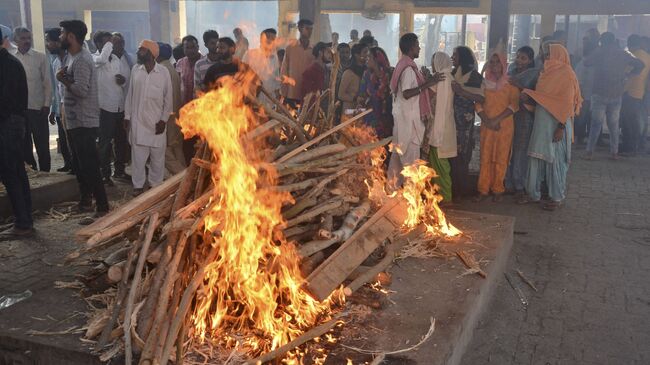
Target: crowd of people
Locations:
point(113, 109)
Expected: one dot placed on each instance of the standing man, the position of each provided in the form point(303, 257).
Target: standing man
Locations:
point(121, 147)
point(58, 58)
point(39, 87)
point(354, 37)
point(298, 56)
point(587, 78)
point(242, 43)
point(316, 76)
point(226, 49)
point(79, 77)
point(185, 67)
point(13, 105)
point(211, 41)
point(411, 108)
point(611, 64)
point(632, 109)
point(112, 82)
point(149, 104)
point(264, 61)
point(174, 157)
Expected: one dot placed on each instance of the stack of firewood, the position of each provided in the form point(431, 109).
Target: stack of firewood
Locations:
point(153, 258)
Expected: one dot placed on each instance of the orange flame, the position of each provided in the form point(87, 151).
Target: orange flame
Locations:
point(288, 80)
point(252, 293)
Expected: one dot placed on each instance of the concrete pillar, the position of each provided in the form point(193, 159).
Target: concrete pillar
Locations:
point(499, 23)
point(88, 19)
point(155, 20)
point(175, 21)
point(37, 27)
point(548, 23)
point(406, 19)
point(310, 9)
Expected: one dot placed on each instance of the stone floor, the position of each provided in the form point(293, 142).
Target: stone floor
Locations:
point(590, 262)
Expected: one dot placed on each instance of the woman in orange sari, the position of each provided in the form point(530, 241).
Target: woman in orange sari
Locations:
point(497, 128)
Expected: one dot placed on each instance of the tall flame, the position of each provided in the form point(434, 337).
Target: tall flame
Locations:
point(252, 292)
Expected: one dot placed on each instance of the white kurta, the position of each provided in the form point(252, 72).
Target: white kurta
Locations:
point(149, 100)
point(408, 130)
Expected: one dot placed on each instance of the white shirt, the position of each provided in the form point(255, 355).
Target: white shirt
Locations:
point(266, 67)
point(148, 101)
point(39, 84)
point(111, 95)
point(408, 128)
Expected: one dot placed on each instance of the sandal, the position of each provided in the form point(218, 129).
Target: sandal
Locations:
point(551, 206)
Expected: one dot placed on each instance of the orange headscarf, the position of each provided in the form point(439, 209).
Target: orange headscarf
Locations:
point(558, 90)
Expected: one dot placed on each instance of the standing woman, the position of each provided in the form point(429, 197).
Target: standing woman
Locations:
point(375, 92)
point(497, 127)
point(558, 100)
point(468, 89)
point(440, 135)
point(524, 76)
point(351, 79)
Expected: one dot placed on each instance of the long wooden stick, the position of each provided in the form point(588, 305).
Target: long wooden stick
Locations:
point(288, 169)
point(128, 352)
point(322, 136)
point(121, 292)
point(183, 307)
point(306, 337)
point(300, 132)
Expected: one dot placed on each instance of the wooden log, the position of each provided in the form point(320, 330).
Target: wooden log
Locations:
point(331, 273)
point(116, 256)
point(297, 186)
point(306, 337)
point(153, 223)
point(370, 275)
point(139, 204)
point(317, 152)
point(115, 272)
point(262, 129)
point(326, 228)
point(146, 317)
point(295, 168)
point(308, 264)
point(321, 137)
point(312, 247)
point(306, 217)
point(184, 305)
point(277, 103)
point(294, 231)
point(187, 211)
point(289, 122)
point(122, 290)
point(107, 233)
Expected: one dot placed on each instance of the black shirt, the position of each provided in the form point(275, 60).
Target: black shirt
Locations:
point(13, 86)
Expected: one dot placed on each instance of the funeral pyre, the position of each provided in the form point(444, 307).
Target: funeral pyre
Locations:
point(255, 243)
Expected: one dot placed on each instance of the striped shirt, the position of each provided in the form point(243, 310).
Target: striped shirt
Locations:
point(80, 100)
point(200, 68)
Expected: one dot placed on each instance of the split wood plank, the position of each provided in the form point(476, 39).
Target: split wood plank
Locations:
point(137, 205)
point(333, 271)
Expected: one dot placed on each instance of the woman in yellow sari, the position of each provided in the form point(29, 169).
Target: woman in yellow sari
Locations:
point(497, 128)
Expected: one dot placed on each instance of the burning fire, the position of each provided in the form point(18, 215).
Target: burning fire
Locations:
point(252, 295)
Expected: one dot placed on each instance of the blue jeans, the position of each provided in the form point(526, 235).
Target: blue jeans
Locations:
point(601, 108)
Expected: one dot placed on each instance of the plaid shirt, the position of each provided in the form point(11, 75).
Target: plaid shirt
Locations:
point(80, 101)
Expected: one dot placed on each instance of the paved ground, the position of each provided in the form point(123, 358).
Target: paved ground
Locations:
point(590, 261)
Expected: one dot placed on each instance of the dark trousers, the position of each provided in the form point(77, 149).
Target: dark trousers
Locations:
point(582, 121)
point(62, 142)
point(188, 149)
point(12, 169)
point(37, 128)
point(630, 124)
point(460, 184)
point(112, 142)
point(85, 162)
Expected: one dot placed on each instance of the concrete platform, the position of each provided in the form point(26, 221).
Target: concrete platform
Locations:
point(434, 287)
point(422, 288)
point(47, 189)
